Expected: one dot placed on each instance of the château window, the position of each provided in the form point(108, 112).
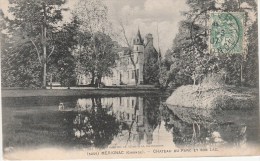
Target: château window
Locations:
point(133, 74)
point(137, 48)
point(128, 103)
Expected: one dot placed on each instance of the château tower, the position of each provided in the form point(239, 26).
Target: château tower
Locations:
point(143, 53)
point(138, 52)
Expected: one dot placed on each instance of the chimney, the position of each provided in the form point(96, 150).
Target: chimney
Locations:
point(149, 39)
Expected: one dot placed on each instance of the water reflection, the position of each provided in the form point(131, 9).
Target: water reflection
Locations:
point(94, 124)
point(140, 121)
point(135, 118)
point(194, 131)
point(124, 121)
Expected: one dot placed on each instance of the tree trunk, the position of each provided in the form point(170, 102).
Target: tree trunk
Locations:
point(44, 48)
point(51, 82)
point(93, 78)
point(69, 84)
point(98, 82)
point(241, 73)
point(44, 68)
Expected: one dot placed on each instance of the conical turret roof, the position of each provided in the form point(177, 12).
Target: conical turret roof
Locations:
point(138, 38)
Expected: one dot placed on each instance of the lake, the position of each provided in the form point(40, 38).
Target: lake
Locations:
point(130, 121)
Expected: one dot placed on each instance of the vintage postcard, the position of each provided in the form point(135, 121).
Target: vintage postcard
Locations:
point(106, 79)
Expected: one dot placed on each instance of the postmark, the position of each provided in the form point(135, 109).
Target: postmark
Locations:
point(226, 33)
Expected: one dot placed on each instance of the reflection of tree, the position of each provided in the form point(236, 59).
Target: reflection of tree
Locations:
point(96, 127)
point(153, 113)
point(186, 133)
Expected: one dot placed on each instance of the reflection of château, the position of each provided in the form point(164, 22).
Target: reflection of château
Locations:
point(130, 111)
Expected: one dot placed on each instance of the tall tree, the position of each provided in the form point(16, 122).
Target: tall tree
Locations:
point(93, 16)
point(32, 20)
point(95, 50)
point(62, 63)
point(98, 59)
point(190, 45)
point(151, 65)
point(83, 54)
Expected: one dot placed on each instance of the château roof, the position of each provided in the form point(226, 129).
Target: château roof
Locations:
point(138, 38)
point(149, 49)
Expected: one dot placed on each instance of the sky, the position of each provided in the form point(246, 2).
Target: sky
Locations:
point(145, 14)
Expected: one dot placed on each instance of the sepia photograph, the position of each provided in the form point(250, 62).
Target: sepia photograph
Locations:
point(125, 79)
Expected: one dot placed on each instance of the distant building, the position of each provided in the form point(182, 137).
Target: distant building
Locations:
point(124, 73)
point(145, 59)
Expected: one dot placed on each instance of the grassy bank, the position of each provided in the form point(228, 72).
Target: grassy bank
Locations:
point(213, 93)
point(214, 97)
point(80, 92)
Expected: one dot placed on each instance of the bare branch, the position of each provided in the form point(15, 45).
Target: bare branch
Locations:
point(129, 50)
point(51, 52)
point(159, 50)
point(38, 53)
point(123, 29)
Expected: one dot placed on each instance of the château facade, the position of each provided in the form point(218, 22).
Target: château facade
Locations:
point(138, 66)
point(130, 70)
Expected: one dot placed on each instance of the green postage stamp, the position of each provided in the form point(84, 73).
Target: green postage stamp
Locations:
point(226, 32)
